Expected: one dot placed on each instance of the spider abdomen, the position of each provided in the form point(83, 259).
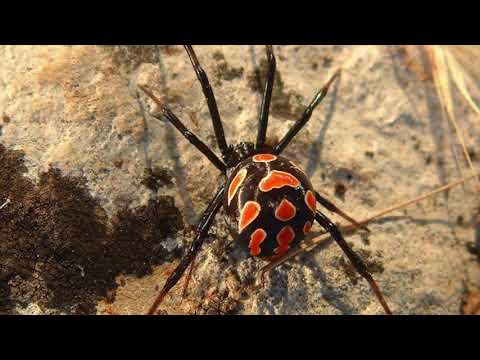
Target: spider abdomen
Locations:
point(270, 204)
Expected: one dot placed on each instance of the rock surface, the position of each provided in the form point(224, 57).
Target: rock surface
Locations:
point(73, 121)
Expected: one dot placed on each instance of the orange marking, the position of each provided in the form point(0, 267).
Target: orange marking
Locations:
point(278, 179)
point(284, 238)
point(257, 237)
point(235, 184)
point(311, 201)
point(264, 158)
point(250, 211)
point(285, 211)
point(307, 227)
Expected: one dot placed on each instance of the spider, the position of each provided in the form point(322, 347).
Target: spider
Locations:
point(269, 201)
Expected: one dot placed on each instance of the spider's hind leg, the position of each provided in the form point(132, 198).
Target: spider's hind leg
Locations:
point(333, 208)
point(356, 261)
point(202, 230)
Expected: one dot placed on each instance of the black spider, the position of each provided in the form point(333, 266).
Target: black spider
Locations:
point(269, 201)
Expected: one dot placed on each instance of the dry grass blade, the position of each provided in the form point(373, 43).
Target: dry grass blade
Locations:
point(459, 79)
point(445, 68)
point(349, 229)
point(5, 204)
point(466, 56)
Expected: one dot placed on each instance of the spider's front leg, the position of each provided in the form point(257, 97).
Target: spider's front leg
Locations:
point(356, 261)
point(202, 230)
point(267, 96)
point(211, 102)
point(307, 114)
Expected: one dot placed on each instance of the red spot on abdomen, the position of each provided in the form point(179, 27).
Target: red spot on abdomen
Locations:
point(236, 183)
point(311, 201)
point(307, 227)
point(285, 211)
point(249, 213)
point(264, 158)
point(284, 238)
point(278, 179)
point(257, 237)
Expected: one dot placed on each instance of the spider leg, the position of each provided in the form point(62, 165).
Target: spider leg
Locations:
point(267, 96)
point(333, 208)
point(202, 230)
point(211, 102)
point(300, 123)
point(194, 140)
point(188, 278)
point(352, 256)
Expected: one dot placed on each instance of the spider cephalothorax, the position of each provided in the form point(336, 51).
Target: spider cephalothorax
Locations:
point(237, 153)
point(269, 201)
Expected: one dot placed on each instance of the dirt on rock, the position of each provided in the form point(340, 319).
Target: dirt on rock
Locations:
point(57, 247)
